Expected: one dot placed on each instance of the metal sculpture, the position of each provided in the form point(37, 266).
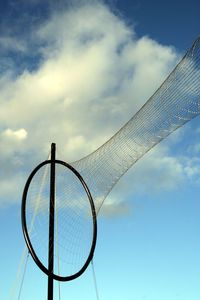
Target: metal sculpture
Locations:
point(176, 102)
point(91, 218)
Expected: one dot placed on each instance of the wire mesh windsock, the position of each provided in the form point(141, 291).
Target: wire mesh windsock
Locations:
point(175, 102)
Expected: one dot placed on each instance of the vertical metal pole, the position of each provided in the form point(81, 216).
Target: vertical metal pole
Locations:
point(51, 221)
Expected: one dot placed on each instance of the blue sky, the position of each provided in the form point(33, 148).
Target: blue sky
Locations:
point(150, 250)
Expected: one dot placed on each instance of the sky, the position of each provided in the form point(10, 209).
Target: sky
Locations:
point(63, 79)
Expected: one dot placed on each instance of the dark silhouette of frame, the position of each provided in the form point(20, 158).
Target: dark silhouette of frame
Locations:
point(50, 272)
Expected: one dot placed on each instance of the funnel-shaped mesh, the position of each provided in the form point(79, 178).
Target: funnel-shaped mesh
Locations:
point(176, 102)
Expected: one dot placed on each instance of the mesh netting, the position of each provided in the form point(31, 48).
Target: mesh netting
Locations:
point(176, 102)
point(73, 232)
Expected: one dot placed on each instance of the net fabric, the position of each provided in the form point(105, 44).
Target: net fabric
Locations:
point(176, 102)
point(73, 233)
point(37, 210)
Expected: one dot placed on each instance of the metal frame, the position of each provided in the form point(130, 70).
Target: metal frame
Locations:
point(51, 221)
point(24, 225)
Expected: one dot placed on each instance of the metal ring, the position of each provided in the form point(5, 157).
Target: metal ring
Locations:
point(25, 230)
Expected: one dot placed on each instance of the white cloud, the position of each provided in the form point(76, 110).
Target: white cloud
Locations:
point(115, 208)
point(94, 75)
point(20, 134)
point(158, 171)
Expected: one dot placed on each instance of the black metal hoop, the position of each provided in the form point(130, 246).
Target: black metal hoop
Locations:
point(25, 230)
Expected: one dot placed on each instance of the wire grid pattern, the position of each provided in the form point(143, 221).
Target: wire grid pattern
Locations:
point(176, 102)
point(73, 234)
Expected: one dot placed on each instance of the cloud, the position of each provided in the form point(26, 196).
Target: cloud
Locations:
point(92, 75)
point(20, 134)
point(158, 171)
point(113, 208)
